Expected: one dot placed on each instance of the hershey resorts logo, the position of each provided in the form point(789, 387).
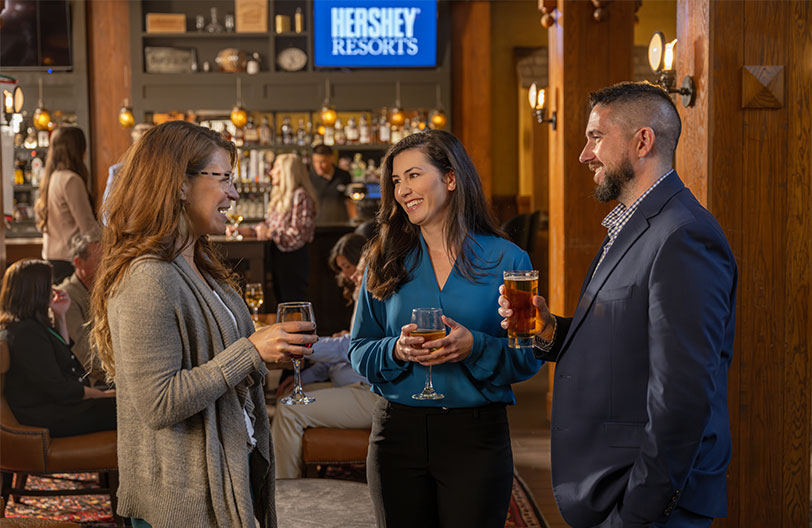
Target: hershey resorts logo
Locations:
point(373, 30)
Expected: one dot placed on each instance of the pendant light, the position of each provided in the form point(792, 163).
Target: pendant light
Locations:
point(125, 115)
point(42, 117)
point(328, 112)
point(437, 118)
point(398, 116)
point(238, 114)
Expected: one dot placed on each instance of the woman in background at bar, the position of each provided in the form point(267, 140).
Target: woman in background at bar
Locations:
point(438, 462)
point(290, 224)
point(194, 445)
point(63, 207)
point(45, 383)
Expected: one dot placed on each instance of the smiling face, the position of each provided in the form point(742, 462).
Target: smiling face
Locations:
point(208, 197)
point(607, 153)
point(345, 266)
point(421, 189)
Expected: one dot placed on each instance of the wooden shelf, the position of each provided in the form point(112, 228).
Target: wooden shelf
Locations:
point(204, 35)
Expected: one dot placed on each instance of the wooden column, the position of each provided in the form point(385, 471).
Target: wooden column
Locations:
point(108, 42)
point(585, 55)
point(745, 151)
point(471, 79)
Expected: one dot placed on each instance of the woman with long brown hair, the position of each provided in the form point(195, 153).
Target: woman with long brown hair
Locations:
point(437, 462)
point(63, 207)
point(46, 385)
point(194, 444)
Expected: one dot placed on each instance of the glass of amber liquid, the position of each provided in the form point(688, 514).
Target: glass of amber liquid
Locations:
point(296, 311)
point(520, 288)
point(430, 326)
point(254, 297)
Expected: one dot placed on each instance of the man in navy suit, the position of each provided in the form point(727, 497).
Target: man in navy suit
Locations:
point(640, 431)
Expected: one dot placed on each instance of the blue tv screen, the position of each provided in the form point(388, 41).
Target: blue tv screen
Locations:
point(375, 33)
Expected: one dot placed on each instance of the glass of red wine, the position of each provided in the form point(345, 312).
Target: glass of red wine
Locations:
point(296, 311)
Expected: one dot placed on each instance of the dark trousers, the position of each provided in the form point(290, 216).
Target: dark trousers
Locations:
point(86, 416)
point(290, 270)
point(434, 467)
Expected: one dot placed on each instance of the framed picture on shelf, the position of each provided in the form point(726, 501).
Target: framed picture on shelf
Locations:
point(169, 60)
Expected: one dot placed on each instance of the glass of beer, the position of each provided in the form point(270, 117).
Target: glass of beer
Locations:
point(296, 311)
point(430, 326)
point(254, 297)
point(520, 288)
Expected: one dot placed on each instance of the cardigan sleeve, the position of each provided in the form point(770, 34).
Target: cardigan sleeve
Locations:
point(152, 334)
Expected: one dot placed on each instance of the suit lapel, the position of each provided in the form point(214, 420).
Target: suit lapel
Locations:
point(631, 232)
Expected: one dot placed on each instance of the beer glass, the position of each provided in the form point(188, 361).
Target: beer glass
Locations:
point(296, 311)
point(254, 297)
point(520, 288)
point(430, 326)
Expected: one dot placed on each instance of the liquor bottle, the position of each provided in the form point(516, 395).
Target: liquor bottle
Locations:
point(298, 20)
point(406, 130)
point(265, 133)
point(301, 134)
point(351, 131)
point(30, 139)
point(416, 125)
point(358, 168)
point(396, 134)
point(43, 139)
point(329, 136)
point(287, 131)
point(214, 26)
point(372, 175)
point(384, 132)
point(19, 173)
point(364, 131)
point(340, 135)
point(250, 133)
point(238, 137)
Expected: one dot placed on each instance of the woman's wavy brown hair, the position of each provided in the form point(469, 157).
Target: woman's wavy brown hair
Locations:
point(146, 216)
point(467, 213)
point(26, 292)
point(349, 246)
point(66, 152)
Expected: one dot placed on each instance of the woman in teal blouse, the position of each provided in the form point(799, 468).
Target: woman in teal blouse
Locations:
point(447, 462)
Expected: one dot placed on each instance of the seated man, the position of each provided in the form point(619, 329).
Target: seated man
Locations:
point(86, 253)
point(346, 405)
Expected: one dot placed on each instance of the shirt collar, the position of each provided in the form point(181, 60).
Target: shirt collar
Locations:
point(621, 212)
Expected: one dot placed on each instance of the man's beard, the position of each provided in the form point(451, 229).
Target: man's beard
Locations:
point(613, 181)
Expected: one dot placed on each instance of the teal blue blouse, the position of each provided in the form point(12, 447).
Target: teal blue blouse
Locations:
point(486, 374)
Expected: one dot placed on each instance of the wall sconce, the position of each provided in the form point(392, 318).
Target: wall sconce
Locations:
point(328, 112)
point(661, 60)
point(238, 114)
point(12, 98)
point(538, 102)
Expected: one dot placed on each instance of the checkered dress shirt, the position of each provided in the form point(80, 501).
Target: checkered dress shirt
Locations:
point(619, 216)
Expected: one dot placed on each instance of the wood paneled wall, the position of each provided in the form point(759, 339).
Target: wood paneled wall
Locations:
point(585, 55)
point(108, 42)
point(751, 167)
point(471, 83)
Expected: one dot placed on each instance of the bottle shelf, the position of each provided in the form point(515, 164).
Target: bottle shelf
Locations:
point(204, 35)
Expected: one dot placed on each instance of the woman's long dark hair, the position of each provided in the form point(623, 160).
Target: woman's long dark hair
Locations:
point(467, 213)
point(26, 292)
point(350, 246)
point(66, 152)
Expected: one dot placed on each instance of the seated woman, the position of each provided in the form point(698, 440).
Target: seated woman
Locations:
point(45, 383)
point(349, 403)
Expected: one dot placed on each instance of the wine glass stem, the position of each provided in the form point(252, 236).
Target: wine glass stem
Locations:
point(256, 313)
point(297, 389)
point(429, 386)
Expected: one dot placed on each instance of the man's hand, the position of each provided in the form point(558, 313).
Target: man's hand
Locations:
point(543, 314)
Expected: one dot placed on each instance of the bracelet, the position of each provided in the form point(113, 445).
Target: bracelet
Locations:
point(541, 343)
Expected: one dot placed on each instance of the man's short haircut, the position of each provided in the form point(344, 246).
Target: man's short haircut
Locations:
point(323, 149)
point(644, 104)
point(80, 245)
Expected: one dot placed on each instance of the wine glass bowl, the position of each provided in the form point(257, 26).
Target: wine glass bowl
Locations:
point(254, 297)
point(430, 326)
point(235, 219)
point(296, 311)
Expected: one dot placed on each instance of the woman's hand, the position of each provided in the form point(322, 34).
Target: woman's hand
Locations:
point(408, 348)
point(453, 348)
point(278, 341)
point(60, 302)
point(543, 313)
point(91, 393)
point(263, 232)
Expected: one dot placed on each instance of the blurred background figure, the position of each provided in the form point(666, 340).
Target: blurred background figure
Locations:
point(348, 402)
point(86, 252)
point(45, 384)
point(136, 133)
point(330, 183)
point(64, 204)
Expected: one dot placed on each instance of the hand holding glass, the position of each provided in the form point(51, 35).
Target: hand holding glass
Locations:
point(296, 311)
point(520, 288)
point(430, 326)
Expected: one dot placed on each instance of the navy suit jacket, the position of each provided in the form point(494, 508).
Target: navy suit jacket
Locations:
point(640, 418)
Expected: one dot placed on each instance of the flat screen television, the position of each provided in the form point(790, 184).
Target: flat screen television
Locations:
point(375, 33)
point(35, 35)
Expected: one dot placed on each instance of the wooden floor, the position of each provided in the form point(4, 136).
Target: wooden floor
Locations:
point(530, 437)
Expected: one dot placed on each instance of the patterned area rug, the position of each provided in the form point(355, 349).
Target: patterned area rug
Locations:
point(94, 510)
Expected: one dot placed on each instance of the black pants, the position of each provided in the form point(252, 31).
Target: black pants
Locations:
point(434, 467)
point(87, 416)
point(290, 272)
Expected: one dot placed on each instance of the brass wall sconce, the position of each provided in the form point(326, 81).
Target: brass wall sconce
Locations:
point(538, 102)
point(12, 98)
point(661, 60)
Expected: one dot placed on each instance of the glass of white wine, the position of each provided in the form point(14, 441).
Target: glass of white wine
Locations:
point(296, 311)
point(254, 297)
point(430, 326)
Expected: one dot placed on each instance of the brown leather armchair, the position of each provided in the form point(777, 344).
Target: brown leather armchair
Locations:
point(324, 446)
point(28, 450)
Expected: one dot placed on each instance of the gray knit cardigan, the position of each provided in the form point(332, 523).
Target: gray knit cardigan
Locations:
point(184, 374)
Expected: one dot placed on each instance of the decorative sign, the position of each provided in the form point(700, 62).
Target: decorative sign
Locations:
point(375, 33)
point(169, 60)
point(166, 23)
point(251, 16)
